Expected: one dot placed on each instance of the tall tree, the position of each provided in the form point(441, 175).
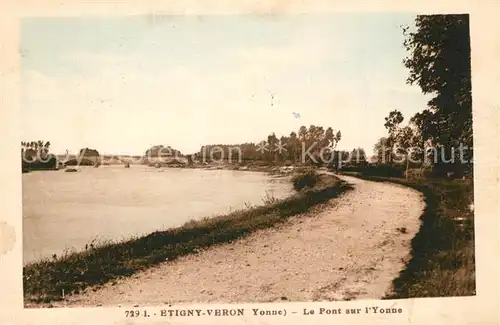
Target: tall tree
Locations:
point(407, 139)
point(381, 150)
point(302, 133)
point(272, 141)
point(439, 62)
point(393, 120)
point(358, 156)
point(392, 124)
point(294, 146)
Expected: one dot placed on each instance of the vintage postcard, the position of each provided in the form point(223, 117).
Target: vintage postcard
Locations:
point(202, 163)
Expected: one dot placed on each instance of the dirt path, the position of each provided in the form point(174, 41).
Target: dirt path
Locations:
point(352, 249)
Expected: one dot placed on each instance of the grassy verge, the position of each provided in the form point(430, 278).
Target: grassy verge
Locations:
point(442, 262)
point(45, 281)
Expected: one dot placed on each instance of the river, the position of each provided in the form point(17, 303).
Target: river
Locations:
point(65, 211)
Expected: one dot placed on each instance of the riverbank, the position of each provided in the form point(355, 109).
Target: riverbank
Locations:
point(51, 280)
point(282, 170)
point(344, 249)
point(443, 259)
point(263, 167)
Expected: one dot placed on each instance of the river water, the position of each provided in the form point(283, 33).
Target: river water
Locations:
point(65, 211)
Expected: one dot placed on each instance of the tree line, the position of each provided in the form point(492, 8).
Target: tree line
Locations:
point(33, 149)
point(313, 145)
point(36, 155)
point(277, 150)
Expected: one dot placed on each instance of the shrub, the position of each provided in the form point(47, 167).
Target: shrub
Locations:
point(82, 162)
point(305, 179)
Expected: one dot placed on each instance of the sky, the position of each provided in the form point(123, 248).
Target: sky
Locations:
point(123, 84)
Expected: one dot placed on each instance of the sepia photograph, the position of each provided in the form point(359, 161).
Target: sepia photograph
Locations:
point(199, 159)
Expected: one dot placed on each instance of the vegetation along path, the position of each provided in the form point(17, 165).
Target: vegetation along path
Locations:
point(352, 249)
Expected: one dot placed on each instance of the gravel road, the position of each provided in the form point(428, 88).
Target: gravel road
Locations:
point(350, 248)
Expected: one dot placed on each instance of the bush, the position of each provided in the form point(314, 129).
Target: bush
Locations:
point(305, 179)
point(47, 163)
point(82, 162)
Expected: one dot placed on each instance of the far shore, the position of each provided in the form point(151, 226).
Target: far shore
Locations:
point(271, 168)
